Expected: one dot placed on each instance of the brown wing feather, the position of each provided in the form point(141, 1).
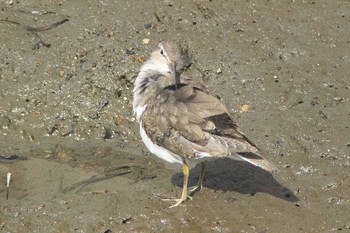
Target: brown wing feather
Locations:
point(187, 120)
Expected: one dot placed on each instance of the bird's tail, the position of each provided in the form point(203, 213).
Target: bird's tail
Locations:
point(254, 158)
point(244, 150)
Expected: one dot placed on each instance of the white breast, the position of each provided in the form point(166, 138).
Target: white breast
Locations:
point(160, 152)
point(138, 111)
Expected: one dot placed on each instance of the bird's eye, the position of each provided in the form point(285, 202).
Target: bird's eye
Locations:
point(161, 52)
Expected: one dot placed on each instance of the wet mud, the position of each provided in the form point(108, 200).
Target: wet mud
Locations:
point(78, 165)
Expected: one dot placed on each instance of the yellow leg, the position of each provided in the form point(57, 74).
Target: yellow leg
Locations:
point(200, 180)
point(184, 195)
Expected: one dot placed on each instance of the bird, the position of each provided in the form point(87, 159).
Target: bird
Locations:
point(181, 121)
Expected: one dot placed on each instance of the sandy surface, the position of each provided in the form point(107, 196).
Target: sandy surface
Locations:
point(66, 108)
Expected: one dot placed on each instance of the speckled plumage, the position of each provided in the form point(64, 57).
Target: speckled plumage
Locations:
point(181, 121)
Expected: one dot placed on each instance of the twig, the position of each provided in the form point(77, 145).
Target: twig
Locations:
point(35, 31)
point(45, 27)
point(80, 185)
point(157, 17)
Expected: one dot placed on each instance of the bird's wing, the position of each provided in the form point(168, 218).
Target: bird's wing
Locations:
point(190, 121)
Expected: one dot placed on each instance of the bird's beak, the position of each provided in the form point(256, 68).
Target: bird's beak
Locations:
point(175, 74)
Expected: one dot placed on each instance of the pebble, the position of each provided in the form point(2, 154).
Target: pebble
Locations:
point(145, 41)
point(130, 52)
point(67, 130)
point(148, 25)
point(108, 133)
point(245, 108)
point(118, 120)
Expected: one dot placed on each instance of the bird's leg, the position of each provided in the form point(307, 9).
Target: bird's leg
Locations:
point(200, 180)
point(184, 195)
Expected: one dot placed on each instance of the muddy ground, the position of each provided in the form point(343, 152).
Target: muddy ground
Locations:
point(281, 67)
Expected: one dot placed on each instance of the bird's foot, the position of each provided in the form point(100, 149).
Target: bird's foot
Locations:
point(177, 200)
point(195, 189)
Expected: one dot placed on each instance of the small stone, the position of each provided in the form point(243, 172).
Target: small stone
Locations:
point(39, 207)
point(118, 120)
point(245, 108)
point(140, 59)
point(148, 25)
point(63, 202)
point(145, 41)
point(94, 115)
point(219, 71)
point(338, 99)
point(67, 130)
point(51, 129)
point(130, 52)
point(108, 133)
point(61, 73)
point(126, 220)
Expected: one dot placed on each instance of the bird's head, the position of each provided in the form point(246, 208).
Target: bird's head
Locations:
point(171, 58)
